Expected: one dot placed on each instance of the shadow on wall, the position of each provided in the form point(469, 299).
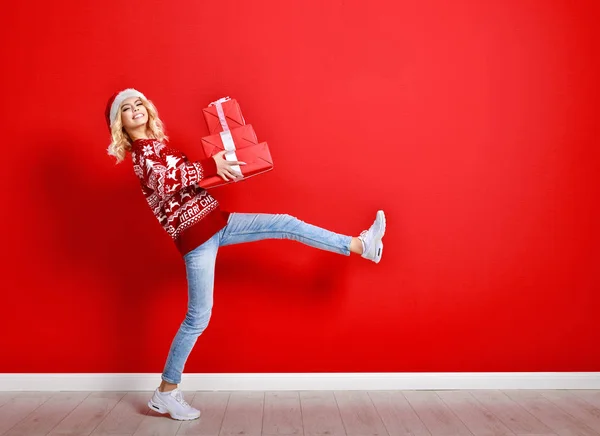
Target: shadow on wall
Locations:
point(100, 228)
point(101, 223)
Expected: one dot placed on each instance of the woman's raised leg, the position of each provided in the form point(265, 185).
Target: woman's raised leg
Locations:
point(249, 227)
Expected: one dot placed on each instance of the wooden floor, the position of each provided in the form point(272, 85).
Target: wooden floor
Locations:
point(307, 413)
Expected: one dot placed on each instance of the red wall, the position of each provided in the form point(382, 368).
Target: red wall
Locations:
point(474, 125)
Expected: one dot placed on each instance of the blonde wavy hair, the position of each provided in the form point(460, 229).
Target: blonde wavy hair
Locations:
point(121, 142)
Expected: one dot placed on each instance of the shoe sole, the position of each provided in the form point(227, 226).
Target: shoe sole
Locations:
point(162, 409)
point(381, 216)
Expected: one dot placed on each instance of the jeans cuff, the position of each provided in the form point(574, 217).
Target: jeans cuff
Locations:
point(169, 381)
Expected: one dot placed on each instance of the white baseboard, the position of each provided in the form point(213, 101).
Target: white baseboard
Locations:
point(303, 381)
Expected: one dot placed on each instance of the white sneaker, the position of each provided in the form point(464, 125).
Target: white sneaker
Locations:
point(173, 404)
point(373, 247)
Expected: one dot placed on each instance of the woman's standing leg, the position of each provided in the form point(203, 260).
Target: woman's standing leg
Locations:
point(200, 272)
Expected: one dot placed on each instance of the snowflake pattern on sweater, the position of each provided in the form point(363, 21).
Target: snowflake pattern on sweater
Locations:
point(169, 183)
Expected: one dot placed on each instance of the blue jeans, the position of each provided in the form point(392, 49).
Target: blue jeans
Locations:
point(200, 271)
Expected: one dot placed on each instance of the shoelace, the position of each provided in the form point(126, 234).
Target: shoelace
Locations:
point(179, 398)
point(363, 234)
point(363, 238)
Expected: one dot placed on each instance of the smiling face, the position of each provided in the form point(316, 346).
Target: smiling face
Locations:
point(133, 113)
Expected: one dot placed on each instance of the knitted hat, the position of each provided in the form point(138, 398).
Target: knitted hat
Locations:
point(112, 107)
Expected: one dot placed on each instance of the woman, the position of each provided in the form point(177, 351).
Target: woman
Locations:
point(198, 226)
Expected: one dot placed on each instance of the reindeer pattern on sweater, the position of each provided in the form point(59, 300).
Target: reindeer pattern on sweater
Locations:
point(169, 183)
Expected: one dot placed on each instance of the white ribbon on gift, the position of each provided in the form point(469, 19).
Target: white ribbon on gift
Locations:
point(218, 103)
point(229, 146)
point(226, 137)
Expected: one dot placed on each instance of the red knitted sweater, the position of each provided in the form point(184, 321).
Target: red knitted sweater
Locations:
point(188, 213)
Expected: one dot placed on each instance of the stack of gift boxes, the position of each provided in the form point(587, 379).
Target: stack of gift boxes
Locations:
point(228, 131)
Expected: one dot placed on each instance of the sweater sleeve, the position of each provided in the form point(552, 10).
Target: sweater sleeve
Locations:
point(169, 170)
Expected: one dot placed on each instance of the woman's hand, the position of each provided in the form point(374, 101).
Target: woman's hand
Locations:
point(224, 166)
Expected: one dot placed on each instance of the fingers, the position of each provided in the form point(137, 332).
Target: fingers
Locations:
point(225, 168)
point(222, 152)
point(228, 166)
point(234, 162)
point(233, 174)
point(224, 173)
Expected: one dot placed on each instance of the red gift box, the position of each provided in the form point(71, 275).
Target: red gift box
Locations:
point(258, 161)
point(242, 137)
point(223, 114)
